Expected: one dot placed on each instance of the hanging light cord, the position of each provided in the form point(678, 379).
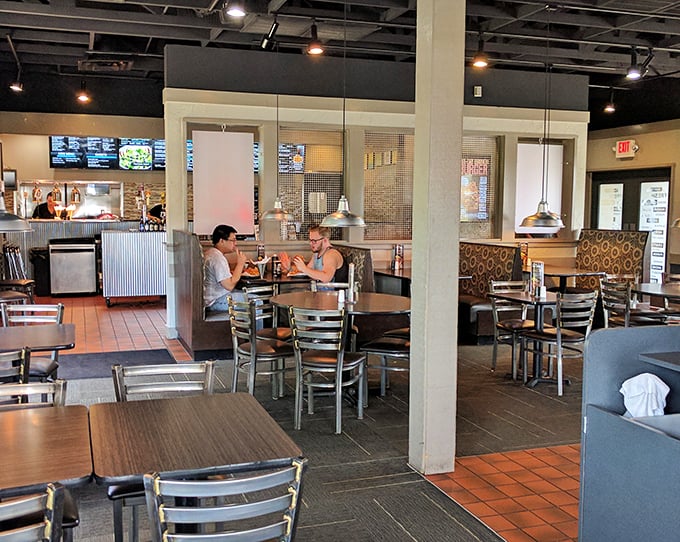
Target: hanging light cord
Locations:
point(546, 112)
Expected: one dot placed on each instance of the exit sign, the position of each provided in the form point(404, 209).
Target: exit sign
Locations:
point(625, 148)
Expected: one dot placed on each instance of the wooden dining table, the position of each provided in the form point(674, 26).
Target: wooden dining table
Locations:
point(367, 302)
point(45, 337)
point(564, 272)
point(39, 445)
point(668, 290)
point(199, 432)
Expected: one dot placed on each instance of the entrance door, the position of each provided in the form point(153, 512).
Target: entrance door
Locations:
point(635, 200)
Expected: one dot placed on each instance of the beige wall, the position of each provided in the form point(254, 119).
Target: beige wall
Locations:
point(659, 146)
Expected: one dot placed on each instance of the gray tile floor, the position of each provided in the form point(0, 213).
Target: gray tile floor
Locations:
point(359, 485)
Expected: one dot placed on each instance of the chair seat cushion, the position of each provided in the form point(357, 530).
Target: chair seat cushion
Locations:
point(387, 345)
point(550, 334)
point(326, 358)
point(124, 491)
point(516, 324)
point(267, 348)
point(403, 332)
point(43, 367)
point(276, 333)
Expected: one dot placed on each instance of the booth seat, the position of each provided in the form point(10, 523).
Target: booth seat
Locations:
point(482, 262)
point(205, 336)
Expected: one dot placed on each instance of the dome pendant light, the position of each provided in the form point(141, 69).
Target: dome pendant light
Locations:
point(543, 217)
point(343, 217)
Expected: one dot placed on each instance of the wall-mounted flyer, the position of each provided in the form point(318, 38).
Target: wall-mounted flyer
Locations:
point(653, 218)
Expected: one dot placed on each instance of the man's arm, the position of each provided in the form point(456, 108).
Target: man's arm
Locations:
point(332, 260)
point(231, 282)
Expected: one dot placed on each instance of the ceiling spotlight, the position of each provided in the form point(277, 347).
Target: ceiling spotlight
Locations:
point(609, 106)
point(268, 39)
point(635, 70)
point(17, 85)
point(83, 96)
point(480, 60)
point(235, 8)
point(314, 47)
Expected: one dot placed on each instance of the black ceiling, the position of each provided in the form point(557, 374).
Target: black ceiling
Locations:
point(109, 40)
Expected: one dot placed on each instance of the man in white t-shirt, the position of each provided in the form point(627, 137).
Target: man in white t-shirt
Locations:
point(219, 281)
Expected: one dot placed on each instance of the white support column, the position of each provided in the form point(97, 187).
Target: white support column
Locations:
point(436, 225)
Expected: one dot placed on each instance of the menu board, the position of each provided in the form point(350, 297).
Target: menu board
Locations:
point(80, 152)
point(135, 154)
point(474, 189)
point(291, 158)
point(190, 155)
point(158, 161)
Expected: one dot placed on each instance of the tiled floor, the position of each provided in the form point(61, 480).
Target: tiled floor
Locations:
point(524, 495)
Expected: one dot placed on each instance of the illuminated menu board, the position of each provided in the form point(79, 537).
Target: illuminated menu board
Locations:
point(83, 152)
point(291, 158)
point(158, 153)
point(135, 154)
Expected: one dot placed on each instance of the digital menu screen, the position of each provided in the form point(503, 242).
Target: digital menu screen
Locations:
point(158, 153)
point(81, 152)
point(291, 158)
point(190, 155)
point(135, 154)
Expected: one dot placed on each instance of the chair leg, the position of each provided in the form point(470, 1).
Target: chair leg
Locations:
point(118, 520)
point(383, 376)
point(338, 403)
point(360, 400)
point(67, 535)
point(523, 355)
point(234, 376)
point(560, 383)
point(251, 376)
point(310, 396)
point(494, 354)
point(134, 524)
point(299, 385)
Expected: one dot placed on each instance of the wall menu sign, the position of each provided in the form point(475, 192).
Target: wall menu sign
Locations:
point(474, 189)
point(83, 152)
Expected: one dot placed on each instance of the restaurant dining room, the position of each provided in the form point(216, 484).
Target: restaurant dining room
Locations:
point(339, 299)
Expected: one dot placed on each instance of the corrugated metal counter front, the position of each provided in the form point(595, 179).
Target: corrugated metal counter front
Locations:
point(133, 264)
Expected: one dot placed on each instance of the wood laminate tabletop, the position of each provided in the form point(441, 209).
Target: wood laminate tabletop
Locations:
point(670, 290)
point(39, 445)
point(39, 338)
point(368, 302)
point(185, 433)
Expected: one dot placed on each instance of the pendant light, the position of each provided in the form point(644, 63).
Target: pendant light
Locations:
point(343, 217)
point(16, 85)
point(278, 212)
point(543, 217)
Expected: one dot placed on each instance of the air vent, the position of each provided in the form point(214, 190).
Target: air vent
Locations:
point(105, 65)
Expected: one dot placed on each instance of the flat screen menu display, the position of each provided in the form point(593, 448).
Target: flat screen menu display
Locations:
point(159, 154)
point(135, 154)
point(291, 158)
point(83, 152)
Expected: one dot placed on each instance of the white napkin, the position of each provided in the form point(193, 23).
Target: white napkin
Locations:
point(644, 395)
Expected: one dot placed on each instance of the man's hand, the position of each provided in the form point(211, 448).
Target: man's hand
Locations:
point(240, 260)
point(285, 261)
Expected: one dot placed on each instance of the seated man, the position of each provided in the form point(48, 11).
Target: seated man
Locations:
point(326, 263)
point(219, 280)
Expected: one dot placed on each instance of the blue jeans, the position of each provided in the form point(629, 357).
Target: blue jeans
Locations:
point(222, 304)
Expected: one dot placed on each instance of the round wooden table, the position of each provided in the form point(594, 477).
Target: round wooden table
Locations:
point(368, 302)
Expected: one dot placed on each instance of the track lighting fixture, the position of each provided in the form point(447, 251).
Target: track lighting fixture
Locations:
point(315, 47)
point(480, 59)
point(609, 106)
point(83, 96)
point(235, 8)
point(268, 39)
point(16, 85)
point(636, 71)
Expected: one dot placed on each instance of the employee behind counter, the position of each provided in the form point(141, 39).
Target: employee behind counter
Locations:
point(45, 210)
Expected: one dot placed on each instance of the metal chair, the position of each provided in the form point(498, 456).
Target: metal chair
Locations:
point(574, 320)
point(268, 313)
point(252, 502)
point(508, 328)
point(252, 352)
point(393, 353)
point(146, 382)
point(622, 309)
point(25, 286)
point(15, 366)
point(150, 381)
point(671, 307)
point(33, 517)
point(43, 368)
point(319, 338)
point(14, 396)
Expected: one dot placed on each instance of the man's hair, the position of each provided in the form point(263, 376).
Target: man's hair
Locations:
point(49, 195)
point(222, 232)
point(323, 231)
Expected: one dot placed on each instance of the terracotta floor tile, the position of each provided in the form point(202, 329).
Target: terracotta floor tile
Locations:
point(569, 528)
point(548, 473)
point(546, 533)
point(516, 535)
point(565, 483)
point(486, 493)
point(473, 482)
point(499, 523)
point(516, 490)
point(534, 502)
point(481, 509)
point(499, 479)
point(553, 515)
point(560, 498)
point(524, 519)
point(504, 506)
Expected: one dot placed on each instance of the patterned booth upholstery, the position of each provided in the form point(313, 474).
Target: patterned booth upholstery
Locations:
point(483, 262)
point(614, 252)
point(363, 265)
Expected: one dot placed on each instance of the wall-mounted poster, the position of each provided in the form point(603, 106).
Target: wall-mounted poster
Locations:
point(610, 210)
point(474, 189)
